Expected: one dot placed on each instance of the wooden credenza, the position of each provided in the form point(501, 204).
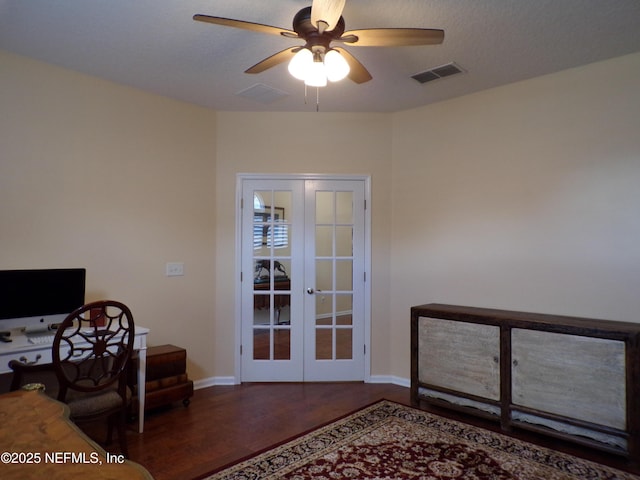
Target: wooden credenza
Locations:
point(569, 377)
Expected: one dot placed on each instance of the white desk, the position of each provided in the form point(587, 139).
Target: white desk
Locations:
point(21, 349)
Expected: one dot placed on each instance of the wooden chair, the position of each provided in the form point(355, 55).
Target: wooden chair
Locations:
point(91, 351)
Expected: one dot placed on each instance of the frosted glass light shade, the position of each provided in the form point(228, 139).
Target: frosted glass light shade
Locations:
point(336, 66)
point(316, 75)
point(316, 70)
point(301, 63)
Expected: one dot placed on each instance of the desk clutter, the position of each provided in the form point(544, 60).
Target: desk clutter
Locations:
point(166, 377)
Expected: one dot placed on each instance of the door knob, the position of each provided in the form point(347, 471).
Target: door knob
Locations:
point(311, 291)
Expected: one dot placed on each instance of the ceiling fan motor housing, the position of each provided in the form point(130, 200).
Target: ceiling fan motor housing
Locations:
point(302, 26)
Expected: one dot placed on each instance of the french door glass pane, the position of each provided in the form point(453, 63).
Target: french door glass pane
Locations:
point(324, 240)
point(271, 266)
point(344, 342)
point(324, 344)
point(324, 309)
point(334, 273)
point(261, 310)
point(344, 309)
point(344, 275)
point(344, 207)
point(261, 341)
point(324, 275)
point(324, 208)
point(344, 241)
point(282, 344)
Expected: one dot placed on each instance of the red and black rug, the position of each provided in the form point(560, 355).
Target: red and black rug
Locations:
point(389, 441)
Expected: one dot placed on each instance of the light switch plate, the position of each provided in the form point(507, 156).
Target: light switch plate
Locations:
point(174, 269)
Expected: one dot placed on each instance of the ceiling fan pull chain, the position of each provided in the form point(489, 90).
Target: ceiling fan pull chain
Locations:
point(317, 99)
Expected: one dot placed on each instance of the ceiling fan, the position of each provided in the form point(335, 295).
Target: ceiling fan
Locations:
point(318, 26)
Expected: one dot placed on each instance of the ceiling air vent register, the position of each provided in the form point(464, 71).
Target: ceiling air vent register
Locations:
point(438, 72)
point(262, 93)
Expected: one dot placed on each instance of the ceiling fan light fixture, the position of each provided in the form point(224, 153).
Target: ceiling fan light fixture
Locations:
point(336, 66)
point(315, 68)
point(316, 75)
point(318, 26)
point(300, 63)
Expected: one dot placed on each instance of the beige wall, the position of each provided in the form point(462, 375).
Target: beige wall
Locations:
point(523, 197)
point(106, 177)
point(520, 197)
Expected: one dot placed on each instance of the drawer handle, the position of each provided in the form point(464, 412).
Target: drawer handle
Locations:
point(24, 360)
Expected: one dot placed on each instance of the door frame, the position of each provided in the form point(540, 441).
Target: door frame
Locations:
point(240, 177)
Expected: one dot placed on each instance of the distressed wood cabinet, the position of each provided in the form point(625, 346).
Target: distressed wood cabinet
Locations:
point(569, 377)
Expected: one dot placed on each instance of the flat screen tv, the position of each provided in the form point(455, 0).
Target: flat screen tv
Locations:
point(32, 298)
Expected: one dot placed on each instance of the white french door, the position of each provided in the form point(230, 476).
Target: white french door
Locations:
point(303, 255)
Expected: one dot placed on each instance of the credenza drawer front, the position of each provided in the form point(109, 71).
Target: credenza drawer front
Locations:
point(460, 356)
point(574, 376)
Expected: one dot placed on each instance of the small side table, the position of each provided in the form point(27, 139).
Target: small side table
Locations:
point(167, 380)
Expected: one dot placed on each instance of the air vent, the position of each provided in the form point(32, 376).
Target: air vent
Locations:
point(262, 93)
point(438, 72)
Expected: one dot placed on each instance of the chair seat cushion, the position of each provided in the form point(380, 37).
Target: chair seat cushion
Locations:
point(91, 405)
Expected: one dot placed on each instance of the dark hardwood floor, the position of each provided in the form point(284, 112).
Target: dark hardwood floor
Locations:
point(226, 423)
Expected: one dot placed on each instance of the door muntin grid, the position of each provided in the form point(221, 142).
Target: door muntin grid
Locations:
point(272, 230)
point(334, 224)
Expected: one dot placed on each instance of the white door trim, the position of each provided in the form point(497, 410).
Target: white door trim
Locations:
point(240, 177)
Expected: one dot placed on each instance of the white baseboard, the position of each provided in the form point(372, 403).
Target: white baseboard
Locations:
point(212, 381)
point(394, 380)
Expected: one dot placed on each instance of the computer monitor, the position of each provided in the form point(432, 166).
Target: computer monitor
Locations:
point(38, 298)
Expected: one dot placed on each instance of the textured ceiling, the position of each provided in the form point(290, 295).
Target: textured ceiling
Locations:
point(154, 45)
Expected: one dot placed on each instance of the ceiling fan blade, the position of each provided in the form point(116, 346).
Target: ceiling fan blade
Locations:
point(254, 27)
point(273, 60)
point(328, 11)
point(358, 72)
point(394, 37)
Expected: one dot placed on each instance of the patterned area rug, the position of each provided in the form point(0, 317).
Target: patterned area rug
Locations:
point(388, 441)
